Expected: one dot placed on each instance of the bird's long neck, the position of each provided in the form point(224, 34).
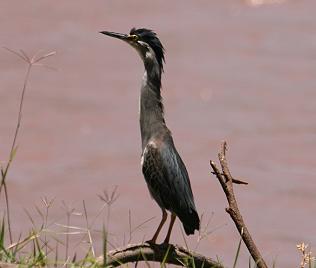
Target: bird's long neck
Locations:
point(151, 107)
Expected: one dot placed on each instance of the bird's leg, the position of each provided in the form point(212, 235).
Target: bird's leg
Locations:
point(163, 220)
point(173, 218)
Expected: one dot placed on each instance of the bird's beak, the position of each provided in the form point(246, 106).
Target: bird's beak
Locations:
point(116, 35)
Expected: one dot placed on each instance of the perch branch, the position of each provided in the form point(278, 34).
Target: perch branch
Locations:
point(226, 180)
point(8, 265)
point(158, 253)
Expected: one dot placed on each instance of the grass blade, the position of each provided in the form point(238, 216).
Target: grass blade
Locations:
point(104, 234)
point(238, 249)
point(2, 233)
point(165, 257)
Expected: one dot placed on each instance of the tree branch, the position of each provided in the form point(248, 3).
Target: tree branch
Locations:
point(158, 253)
point(226, 180)
point(8, 265)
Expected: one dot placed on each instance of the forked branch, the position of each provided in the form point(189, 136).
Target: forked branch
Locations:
point(226, 180)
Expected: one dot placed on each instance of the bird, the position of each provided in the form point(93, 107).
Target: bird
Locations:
point(164, 171)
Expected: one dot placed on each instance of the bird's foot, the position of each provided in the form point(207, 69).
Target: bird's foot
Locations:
point(151, 242)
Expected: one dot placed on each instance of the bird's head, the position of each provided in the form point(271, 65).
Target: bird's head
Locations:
point(145, 41)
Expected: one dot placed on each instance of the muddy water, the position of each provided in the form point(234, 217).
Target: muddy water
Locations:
point(234, 71)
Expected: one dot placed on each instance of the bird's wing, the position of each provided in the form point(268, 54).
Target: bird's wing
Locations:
point(167, 177)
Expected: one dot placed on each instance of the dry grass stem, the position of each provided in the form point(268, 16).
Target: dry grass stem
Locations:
point(4, 169)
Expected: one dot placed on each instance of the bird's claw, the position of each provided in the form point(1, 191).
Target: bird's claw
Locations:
point(150, 242)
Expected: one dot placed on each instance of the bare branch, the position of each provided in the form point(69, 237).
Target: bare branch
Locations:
point(8, 265)
point(226, 180)
point(151, 252)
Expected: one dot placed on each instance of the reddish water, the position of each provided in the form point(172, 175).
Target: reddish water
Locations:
point(233, 71)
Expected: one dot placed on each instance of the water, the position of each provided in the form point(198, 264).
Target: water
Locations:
point(233, 71)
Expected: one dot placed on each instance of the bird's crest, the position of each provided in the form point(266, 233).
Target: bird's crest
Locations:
point(150, 37)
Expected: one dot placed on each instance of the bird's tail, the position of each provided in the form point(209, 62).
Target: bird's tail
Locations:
point(190, 221)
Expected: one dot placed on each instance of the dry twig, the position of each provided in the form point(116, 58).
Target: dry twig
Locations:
point(226, 180)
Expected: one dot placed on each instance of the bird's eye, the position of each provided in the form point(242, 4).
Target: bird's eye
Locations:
point(133, 37)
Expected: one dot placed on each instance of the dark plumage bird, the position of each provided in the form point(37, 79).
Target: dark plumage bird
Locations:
point(164, 171)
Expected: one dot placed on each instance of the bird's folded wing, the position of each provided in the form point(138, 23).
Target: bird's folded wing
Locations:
point(167, 177)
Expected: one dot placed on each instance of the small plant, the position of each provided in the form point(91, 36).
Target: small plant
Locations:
point(306, 256)
point(31, 61)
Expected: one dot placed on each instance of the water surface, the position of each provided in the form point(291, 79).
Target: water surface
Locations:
point(233, 71)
